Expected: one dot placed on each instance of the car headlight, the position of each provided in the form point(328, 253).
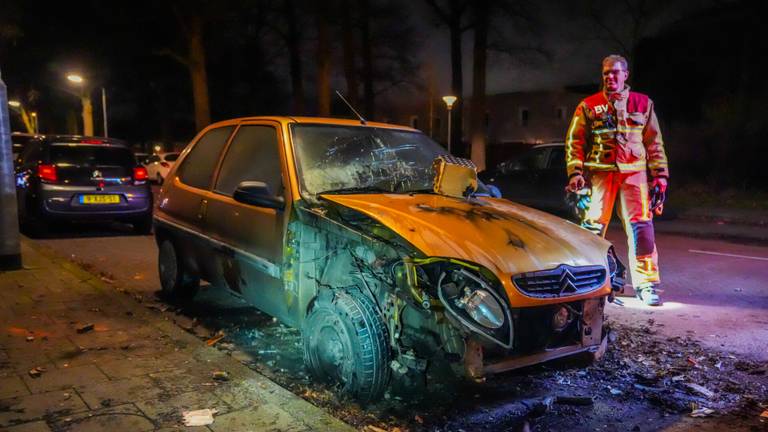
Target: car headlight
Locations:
point(482, 307)
point(471, 301)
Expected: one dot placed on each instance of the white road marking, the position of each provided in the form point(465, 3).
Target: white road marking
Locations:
point(728, 255)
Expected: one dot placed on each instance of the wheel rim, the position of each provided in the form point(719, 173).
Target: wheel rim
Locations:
point(168, 266)
point(332, 352)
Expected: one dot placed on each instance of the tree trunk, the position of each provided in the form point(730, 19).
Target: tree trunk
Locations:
point(457, 78)
point(348, 41)
point(323, 64)
point(198, 73)
point(294, 53)
point(87, 115)
point(10, 240)
point(477, 114)
point(365, 49)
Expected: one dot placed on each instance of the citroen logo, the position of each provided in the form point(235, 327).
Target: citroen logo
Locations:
point(567, 282)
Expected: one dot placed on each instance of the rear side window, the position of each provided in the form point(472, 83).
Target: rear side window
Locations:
point(90, 155)
point(557, 158)
point(252, 156)
point(198, 166)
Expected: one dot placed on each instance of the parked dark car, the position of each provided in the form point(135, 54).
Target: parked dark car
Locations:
point(19, 140)
point(537, 178)
point(65, 177)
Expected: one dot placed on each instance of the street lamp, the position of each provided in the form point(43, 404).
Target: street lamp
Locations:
point(449, 101)
point(34, 122)
point(14, 103)
point(85, 98)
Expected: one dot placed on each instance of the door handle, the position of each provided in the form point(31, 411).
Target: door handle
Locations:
point(202, 210)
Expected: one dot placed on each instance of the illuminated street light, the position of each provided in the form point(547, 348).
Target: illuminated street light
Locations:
point(449, 101)
point(34, 122)
point(75, 78)
point(14, 103)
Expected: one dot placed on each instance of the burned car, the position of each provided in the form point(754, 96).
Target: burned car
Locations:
point(385, 251)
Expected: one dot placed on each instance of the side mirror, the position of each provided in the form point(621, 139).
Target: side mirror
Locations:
point(258, 194)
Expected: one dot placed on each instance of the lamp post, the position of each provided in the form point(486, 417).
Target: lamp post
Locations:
point(28, 118)
point(35, 127)
point(85, 100)
point(449, 101)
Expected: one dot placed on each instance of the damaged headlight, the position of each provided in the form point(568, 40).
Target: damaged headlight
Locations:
point(616, 270)
point(470, 300)
point(482, 307)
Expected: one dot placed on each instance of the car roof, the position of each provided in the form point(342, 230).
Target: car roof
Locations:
point(80, 139)
point(554, 144)
point(315, 120)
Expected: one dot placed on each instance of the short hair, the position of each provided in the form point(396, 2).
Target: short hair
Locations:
point(615, 58)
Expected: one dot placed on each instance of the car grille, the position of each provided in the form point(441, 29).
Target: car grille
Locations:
point(562, 281)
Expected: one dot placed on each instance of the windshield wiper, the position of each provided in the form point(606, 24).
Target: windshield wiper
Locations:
point(355, 189)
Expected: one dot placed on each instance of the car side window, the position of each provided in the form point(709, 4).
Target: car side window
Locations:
point(197, 168)
point(557, 158)
point(153, 158)
point(252, 156)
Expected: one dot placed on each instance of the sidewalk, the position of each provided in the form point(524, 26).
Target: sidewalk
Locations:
point(132, 371)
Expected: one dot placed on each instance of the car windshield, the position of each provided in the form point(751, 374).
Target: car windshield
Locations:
point(348, 159)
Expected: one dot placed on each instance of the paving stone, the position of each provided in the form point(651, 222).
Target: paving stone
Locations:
point(137, 366)
point(38, 426)
point(58, 379)
point(74, 356)
point(34, 407)
point(168, 411)
point(120, 392)
point(12, 386)
point(117, 418)
point(264, 418)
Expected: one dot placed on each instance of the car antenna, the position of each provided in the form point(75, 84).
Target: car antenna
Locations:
point(362, 120)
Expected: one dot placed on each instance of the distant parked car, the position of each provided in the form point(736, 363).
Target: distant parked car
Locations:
point(19, 140)
point(141, 158)
point(158, 165)
point(537, 178)
point(66, 177)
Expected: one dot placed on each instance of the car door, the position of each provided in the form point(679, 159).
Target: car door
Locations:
point(251, 252)
point(185, 202)
point(550, 181)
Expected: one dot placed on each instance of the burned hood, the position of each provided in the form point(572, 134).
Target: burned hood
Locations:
point(504, 237)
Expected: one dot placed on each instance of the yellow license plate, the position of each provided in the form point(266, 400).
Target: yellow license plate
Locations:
point(100, 199)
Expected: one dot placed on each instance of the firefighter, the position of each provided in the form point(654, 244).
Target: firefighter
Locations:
point(614, 149)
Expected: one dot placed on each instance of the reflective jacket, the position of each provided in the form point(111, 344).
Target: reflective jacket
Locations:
point(617, 134)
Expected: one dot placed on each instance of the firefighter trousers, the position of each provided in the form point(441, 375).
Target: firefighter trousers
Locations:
point(631, 189)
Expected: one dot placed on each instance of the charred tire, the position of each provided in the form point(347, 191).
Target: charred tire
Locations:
point(178, 283)
point(345, 343)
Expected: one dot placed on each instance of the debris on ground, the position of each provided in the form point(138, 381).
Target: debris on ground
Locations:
point(203, 417)
point(709, 394)
point(371, 428)
point(702, 412)
point(212, 341)
point(30, 338)
point(36, 372)
point(764, 414)
point(575, 400)
point(85, 328)
point(220, 376)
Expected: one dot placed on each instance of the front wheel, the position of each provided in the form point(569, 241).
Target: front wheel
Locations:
point(178, 284)
point(345, 343)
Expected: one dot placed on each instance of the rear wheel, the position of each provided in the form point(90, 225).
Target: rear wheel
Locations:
point(345, 343)
point(178, 283)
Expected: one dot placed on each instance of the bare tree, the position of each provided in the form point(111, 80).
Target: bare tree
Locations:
point(452, 13)
point(323, 61)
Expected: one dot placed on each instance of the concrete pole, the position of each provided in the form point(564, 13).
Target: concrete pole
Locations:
point(449, 129)
point(104, 111)
point(10, 240)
